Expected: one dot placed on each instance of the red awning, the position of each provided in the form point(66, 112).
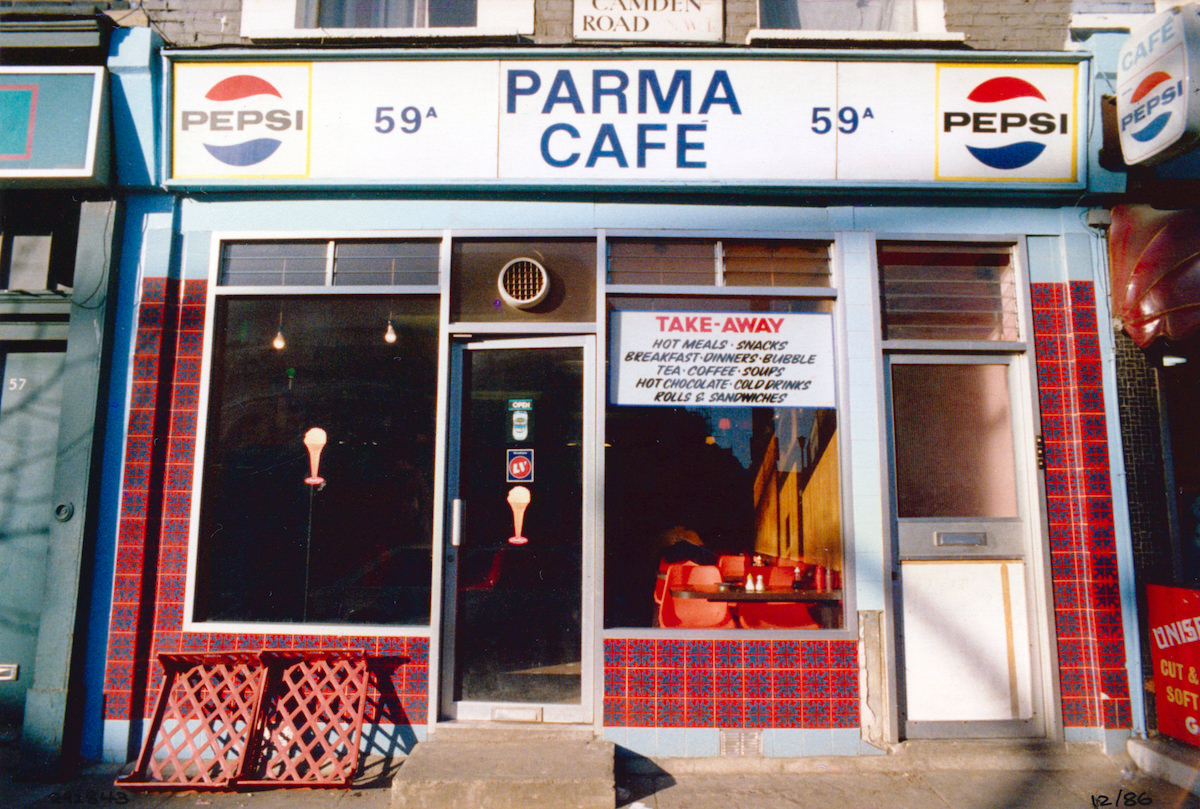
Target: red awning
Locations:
point(1154, 259)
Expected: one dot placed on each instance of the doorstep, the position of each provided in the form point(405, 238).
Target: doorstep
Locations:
point(1168, 760)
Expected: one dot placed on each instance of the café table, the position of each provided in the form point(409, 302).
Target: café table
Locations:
point(824, 600)
point(737, 592)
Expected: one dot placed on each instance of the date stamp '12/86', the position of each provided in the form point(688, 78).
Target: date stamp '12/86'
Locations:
point(1122, 798)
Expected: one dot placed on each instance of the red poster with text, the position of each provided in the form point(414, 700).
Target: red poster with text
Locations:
point(1175, 649)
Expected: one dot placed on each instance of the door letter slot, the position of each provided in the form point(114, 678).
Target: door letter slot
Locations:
point(960, 538)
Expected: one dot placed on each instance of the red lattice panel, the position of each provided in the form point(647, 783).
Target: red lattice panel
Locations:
point(310, 723)
point(202, 722)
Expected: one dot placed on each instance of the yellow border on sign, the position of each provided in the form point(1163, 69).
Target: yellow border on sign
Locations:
point(227, 176)
point(937, 129)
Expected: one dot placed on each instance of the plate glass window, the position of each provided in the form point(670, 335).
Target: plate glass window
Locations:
point(272, 545)
point(731, 491)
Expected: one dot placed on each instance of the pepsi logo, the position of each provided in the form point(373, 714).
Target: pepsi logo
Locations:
point(242, 121)
point(1011, 107)
point(1150, 113)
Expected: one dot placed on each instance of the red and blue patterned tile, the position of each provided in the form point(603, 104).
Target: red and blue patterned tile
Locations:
point(730, 713)
point(699, 712)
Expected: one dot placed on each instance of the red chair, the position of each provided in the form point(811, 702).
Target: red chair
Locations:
point(733, 568)
point(660, 583)
point(693, 612)
point(776, 614)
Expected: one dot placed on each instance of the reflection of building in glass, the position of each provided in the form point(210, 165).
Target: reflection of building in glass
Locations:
point(746, 481)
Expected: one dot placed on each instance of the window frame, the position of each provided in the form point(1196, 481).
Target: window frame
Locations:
point(276, 19)
point(718, 293)
point(215, 291)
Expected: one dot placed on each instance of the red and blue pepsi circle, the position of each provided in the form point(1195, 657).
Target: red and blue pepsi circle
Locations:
point(241, 119)
point(999, 122)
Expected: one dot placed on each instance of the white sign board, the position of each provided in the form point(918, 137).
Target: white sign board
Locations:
point(759, 122)
point(1157, 117)
point(723, 359)
point(649, 20)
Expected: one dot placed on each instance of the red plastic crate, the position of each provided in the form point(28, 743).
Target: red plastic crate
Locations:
point(202, 722)
point(309, 724)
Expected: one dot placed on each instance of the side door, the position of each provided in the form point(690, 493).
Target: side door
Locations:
point(30, 404)
point(969, 661)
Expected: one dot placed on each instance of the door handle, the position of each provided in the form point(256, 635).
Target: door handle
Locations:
point(456, 512)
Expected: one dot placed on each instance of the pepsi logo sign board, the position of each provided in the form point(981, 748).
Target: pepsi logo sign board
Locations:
point(645, 121)
point(242, 120)
point(1014, 122)
point(1155, 118)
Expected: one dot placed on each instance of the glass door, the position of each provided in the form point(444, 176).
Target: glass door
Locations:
point(516, 640)
point(960, 512)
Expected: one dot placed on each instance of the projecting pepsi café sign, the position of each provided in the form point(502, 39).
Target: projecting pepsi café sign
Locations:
point(630, 121)
point(1156, 87)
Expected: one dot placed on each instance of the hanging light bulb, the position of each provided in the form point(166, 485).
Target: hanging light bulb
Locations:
point(389, 336)
point(279, 342)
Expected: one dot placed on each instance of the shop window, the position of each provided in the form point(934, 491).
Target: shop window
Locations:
point(741, 485)
point(391, 262)
point(707, 262)
point(267, 19)
point(272, 546)
point(948, 292)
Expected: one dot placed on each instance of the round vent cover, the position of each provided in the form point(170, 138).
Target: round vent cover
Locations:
point(523, 283)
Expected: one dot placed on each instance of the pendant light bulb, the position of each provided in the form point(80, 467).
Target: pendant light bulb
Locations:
point(279, 342)
point(389, 336)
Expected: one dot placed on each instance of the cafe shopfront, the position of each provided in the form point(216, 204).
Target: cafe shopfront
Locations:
point(721, 403)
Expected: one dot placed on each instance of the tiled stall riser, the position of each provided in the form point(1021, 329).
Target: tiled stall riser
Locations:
point(1087, 603)
point(151, 567)
point(731, 684)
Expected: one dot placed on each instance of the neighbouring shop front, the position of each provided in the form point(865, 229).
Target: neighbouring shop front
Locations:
point(57, 247)
point(726, 404)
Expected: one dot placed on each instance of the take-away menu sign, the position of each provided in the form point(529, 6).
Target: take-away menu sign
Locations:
point(723, 359)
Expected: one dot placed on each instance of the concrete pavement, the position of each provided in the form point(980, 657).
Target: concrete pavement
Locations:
point(914, 776)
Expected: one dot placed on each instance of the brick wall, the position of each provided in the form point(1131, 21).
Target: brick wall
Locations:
point(195, 23)
point(1001, 25)
point(1022, 25)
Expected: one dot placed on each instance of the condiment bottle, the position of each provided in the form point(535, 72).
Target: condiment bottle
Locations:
point(758, 583)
